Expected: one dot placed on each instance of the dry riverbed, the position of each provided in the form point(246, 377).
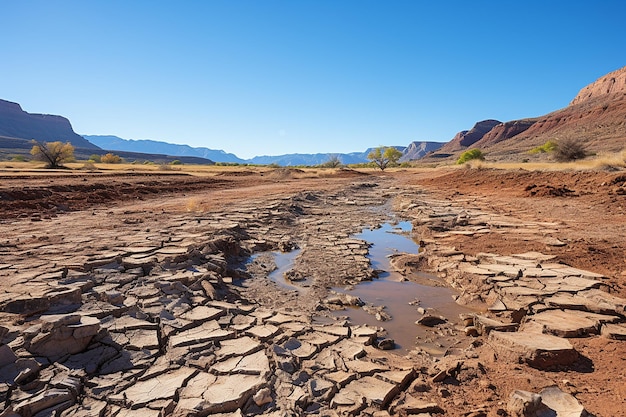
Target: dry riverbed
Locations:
point(153, 295)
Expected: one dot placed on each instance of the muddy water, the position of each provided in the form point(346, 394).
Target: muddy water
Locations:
point(283, 262)
point(402, 299)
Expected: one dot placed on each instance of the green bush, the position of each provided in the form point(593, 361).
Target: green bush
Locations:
point(547, 147)
point(176, 162)
point(470, 155)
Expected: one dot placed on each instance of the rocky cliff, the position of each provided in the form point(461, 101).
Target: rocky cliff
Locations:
point(596, 117)
point(16, 123)
point(610, 84)
point(466, 138)
point(505, 131)
point(417, 150)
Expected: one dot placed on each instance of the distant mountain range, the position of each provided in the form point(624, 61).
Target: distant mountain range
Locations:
point(114, 143)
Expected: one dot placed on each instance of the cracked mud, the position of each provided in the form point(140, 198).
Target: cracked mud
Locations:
point(154, 306)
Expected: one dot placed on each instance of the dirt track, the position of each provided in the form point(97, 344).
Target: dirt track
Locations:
point(590, 208)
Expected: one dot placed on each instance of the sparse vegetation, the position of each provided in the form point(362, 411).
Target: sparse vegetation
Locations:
point(569, 150)
point(549, 146)
point(54, 154)
point(111, 158)
point(18, 158)
point(176, 162)
point(193, 204)
point(469, 155)
point(332, 162)
point(95, 158)
point(383, 156)
point(89, 166)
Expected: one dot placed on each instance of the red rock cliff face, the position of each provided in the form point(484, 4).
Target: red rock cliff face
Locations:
point(467, 138)
point(596, 117)
point(16, 123)
point(504, 131)
point(612, 83)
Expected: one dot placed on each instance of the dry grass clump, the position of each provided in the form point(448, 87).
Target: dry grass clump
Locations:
point(611, 162)
point(193, 205)
point(89, 166)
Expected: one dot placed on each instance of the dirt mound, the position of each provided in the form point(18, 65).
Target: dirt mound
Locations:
point(236, 174)
point(549, 191)
point(38, 196)
point(346, 173)
point(284, 173)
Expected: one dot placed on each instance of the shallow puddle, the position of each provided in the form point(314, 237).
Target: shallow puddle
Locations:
point(284, 263)
point(402, 298)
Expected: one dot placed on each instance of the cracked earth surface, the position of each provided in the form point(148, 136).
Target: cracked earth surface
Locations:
point(133, 295)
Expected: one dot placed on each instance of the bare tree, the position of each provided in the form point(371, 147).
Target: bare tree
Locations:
point(570, 150)
point(52, 153)
point(333, 161)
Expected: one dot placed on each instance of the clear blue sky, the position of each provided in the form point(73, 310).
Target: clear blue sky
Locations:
point(273, 77)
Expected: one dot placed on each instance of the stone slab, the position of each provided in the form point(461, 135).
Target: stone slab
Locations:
point(569, 323)
point(614, 331)
point(163, 386)
point(538, 350)
point(373, 391)
point(209, 394)
point(253, 364)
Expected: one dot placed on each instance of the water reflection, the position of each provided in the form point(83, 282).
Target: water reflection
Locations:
point(401, 299)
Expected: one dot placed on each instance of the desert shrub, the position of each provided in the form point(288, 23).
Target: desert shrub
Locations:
point(569, 150)
point(176, 162)
point(18, 158)
point(549, 146)
point(193, 205)
point(89, 166)
point(111, 158)
point(332, 162)
point(469, 155)
point(95, 158)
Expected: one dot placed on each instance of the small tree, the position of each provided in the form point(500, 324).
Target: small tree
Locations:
point(469, 155)
point(52, 153)
point(383, 156)
point(95, 158)
point(110, 158)
point(332, 162)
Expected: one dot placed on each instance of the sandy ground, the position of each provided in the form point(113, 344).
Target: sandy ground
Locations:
point(591, 206)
